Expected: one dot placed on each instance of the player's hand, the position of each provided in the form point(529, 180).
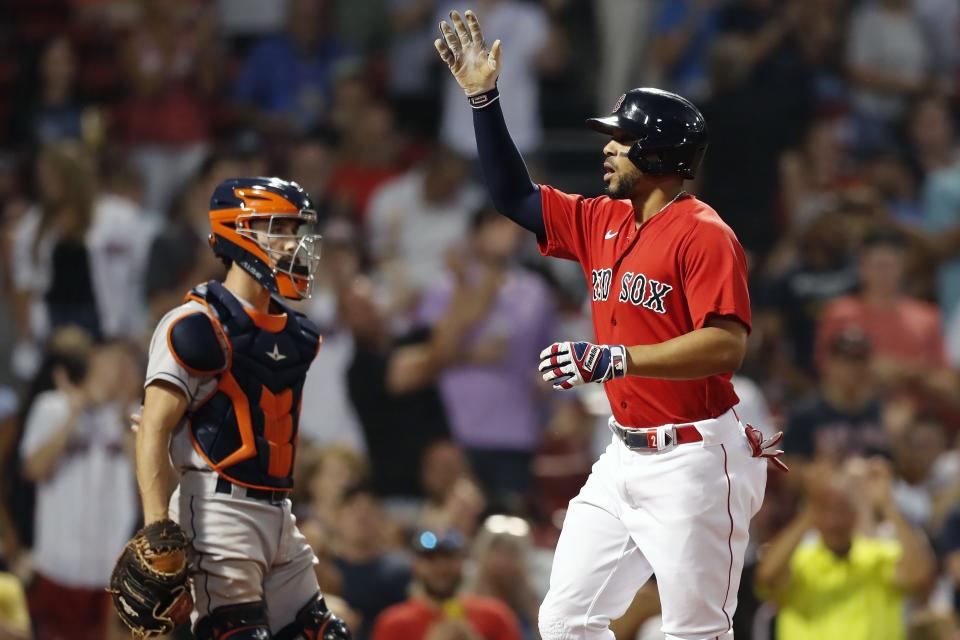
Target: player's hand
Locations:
point(473, 66)
point(76, 394)
point(569, 364)
point(879, 485)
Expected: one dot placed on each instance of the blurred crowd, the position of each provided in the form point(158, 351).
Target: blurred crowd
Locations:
point(434, 467)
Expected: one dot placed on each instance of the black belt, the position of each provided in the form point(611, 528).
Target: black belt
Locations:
point(273, 496)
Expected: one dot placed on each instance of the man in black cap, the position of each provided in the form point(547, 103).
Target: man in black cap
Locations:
point(843, 419)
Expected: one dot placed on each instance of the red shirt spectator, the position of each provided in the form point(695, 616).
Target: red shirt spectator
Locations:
point(902, 330)
point(905, 329)
point(438, 569)
point(411, 620)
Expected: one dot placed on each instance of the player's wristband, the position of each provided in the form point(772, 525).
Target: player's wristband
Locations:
point(618, 361)
point(485, 99)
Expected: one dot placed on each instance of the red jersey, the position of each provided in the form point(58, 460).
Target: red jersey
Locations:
point(411, 620)
point(650, 284)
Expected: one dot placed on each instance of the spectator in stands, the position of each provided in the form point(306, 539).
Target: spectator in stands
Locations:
point(391, 382)
point(76, 444)
point(417, 218)
point(896, 187)
point(683, 30)
point(55, 112)
point(372, 578)
point(460, 506)
point(310, 163)
point(286, 85)
point(442, 465)
point(171, 68)
point(939, 20)
point(370, 153)
point(844, 583)
point(9, 433)
point(623, 30)
point(927, 480)
point(843, 418)
point(77, 256)
point(906, 333)
point(941, 204)
point(14, 614)
point(503, 571)
point(500, 438)
point(413, 87)
point(821, 270)
point(178, 259)
point(931, 135)
point(438, 572)
point(522, 27)
point(321, 477)
point(949, 549)
point(329, 472)
point(889, 60)
point(738, 178)
point(328, 416)
point(811, 175)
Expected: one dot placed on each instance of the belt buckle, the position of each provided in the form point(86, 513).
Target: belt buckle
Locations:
point(658, 438)
point(646, 440)
point(662, 438)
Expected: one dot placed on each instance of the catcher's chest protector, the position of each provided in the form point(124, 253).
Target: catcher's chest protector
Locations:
point(247, 429)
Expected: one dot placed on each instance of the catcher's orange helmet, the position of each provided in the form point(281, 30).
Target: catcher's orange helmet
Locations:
point(246, 224)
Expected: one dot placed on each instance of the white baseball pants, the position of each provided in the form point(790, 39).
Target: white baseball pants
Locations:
point(681, 513)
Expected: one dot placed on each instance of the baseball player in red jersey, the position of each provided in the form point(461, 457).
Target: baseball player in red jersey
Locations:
point(674, 492)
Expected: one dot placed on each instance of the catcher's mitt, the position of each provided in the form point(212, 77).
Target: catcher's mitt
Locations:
point(149, 582)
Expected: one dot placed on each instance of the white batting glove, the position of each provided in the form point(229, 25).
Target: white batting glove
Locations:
point(570, 364)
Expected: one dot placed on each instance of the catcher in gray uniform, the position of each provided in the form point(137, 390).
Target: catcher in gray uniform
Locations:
point(222, 402)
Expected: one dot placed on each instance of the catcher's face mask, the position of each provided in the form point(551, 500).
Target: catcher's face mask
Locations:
point(291, 245)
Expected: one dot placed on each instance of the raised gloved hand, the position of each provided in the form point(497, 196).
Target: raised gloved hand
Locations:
point(474, 67)
point(149, 582)
point(569, 364)
point(761, 448)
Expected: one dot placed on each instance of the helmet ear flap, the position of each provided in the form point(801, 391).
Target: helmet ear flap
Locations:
point(648, 162)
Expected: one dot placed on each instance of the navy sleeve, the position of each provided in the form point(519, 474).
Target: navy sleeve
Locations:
point(513, 193)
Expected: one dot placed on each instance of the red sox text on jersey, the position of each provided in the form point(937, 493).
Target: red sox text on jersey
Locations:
point(635, 288)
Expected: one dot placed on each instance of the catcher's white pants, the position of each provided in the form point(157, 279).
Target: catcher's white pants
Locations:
point(681, 513)
point(243, 550)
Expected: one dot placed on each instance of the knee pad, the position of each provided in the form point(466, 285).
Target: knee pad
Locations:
point(247, 621)
point(315, 622)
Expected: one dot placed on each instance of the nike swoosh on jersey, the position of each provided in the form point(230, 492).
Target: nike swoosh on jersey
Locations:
point(610, 234)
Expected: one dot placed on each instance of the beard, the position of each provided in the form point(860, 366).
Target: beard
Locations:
point(441, 590)
point(623, 187)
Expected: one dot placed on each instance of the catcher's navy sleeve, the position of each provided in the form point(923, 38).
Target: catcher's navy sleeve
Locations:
point(513, 193)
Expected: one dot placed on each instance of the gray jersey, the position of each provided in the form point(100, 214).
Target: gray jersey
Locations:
point(163, 366)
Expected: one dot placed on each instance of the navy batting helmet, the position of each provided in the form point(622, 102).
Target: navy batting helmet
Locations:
point(668, 133)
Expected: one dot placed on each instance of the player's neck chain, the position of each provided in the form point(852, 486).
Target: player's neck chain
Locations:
point(679, 195)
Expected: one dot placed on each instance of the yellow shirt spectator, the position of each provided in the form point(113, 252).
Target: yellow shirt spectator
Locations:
point(14, 618)
point(829, 597)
